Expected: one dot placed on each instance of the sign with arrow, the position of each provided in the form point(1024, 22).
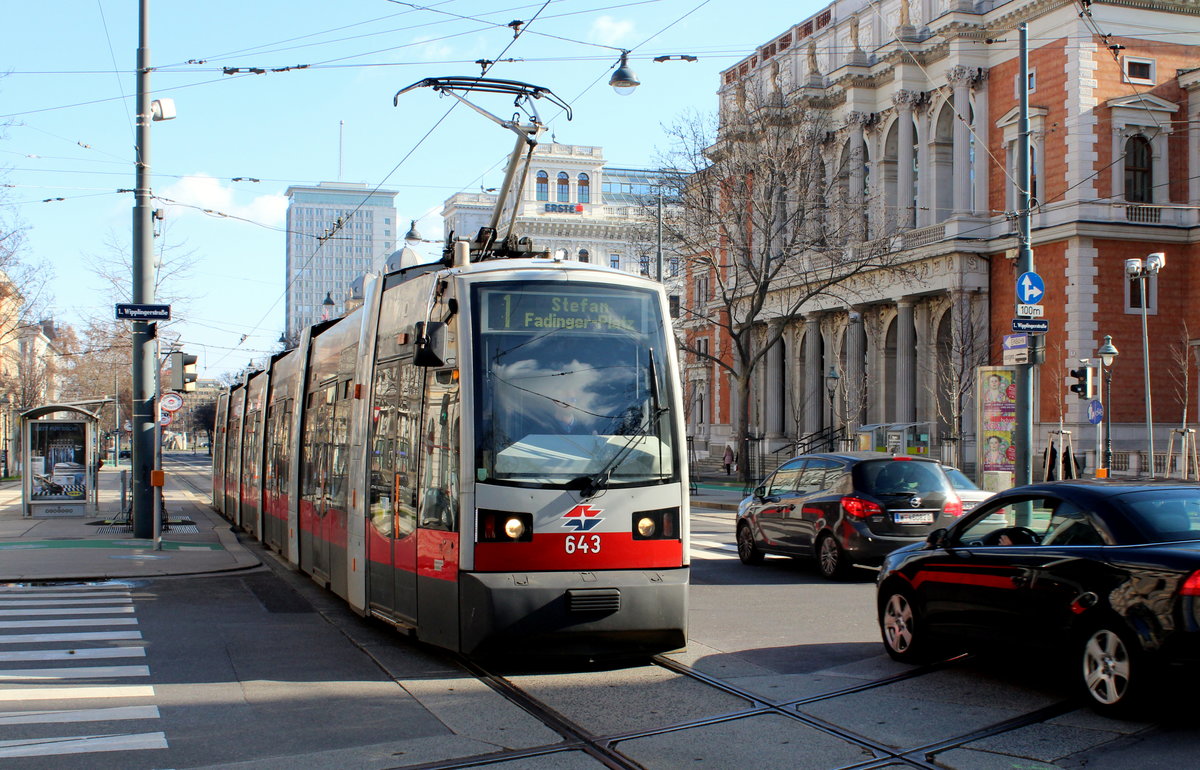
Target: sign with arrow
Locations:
point(1030, 288)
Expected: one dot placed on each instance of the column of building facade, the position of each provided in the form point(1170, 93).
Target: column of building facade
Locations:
point(904, 101)
point(812, 373)
point(924, 166)
point(925, 367)
point(960, 79)
point(905, 360)
point(855, 374)
point(857, 203)
point(979, 129)
point(773, 392)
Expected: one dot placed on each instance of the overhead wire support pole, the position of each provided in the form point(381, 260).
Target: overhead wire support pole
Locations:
point(144, 359)
point(1025, 372)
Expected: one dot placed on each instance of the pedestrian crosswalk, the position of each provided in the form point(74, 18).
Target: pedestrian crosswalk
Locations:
point(69, 658)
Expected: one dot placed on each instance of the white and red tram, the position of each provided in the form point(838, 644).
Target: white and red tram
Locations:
point(490, 454)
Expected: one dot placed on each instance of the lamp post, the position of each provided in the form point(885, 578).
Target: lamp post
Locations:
point(1108, 354)
point(1141, 270)
point(5, 400)
point(831, 384)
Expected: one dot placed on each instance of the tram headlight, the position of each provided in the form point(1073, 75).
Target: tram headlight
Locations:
point(494, 526)
point(514, 528)
point(660, 524)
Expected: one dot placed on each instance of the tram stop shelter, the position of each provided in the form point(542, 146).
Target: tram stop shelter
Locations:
point(59, 455)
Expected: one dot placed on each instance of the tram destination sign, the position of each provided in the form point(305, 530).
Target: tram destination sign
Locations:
point(572, 309)
point(130, 311)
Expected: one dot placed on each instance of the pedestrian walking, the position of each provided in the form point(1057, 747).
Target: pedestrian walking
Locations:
point(728, 459)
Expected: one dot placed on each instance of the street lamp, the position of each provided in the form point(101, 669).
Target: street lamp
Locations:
point(623, 79)
point(831, 384)
point(1140, 270)
point(1108, 354)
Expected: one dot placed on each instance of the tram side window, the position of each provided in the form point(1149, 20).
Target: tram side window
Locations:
point(440, 452)
point(408, 425)
point(340, 446)
point(383, 432)
point(250, 452)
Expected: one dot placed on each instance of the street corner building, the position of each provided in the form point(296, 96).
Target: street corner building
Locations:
point(905, 118)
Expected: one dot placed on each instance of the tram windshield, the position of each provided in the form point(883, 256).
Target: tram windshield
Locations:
point(572, 386)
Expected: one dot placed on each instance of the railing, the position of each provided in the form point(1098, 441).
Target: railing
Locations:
point(1150, 215)
point(924, 236)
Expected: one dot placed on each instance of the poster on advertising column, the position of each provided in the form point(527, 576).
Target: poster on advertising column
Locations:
point(996, 387)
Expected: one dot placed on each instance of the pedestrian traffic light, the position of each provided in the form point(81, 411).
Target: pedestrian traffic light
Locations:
point(1083, 387)
point(183, 372)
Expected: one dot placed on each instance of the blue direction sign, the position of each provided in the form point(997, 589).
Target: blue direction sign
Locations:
point(1030, 288)
point(1015, 342)
point(1095, 412)
point(1031, 325)
point(129, 311)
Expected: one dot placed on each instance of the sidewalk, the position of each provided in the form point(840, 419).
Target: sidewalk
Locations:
point(86, 548)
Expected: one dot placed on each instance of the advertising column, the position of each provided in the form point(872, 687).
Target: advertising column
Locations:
point(997, 399)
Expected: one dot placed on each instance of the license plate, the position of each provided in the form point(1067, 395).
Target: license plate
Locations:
point(913, 517)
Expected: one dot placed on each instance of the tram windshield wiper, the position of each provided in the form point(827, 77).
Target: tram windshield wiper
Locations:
point(591, 485)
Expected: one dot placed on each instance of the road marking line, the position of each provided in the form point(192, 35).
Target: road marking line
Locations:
point(108, 588)
point(72, 693)
point(713, 544)
point(110, 714)
point(80, 672)
point(14, 656)
point(84, 636)
point(68, 611)
point(68, 622)
point(82, 744)
point(63, 600)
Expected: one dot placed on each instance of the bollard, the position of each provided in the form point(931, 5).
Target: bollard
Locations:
point(124, 489)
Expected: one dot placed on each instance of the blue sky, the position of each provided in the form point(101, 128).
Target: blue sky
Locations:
point(67, 98)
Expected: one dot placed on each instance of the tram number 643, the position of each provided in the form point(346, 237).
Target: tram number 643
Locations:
point(583, 543)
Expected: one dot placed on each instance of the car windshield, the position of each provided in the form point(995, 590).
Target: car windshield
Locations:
point(1165, 516)
point(890, 477)
point(572, 385)
point(958, 479)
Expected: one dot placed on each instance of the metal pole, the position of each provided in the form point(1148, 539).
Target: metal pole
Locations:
point(659, 254)
point(157, 491)
point(144, 360)
point(1025, 372)
point(1108, 419)
point(1146, 367)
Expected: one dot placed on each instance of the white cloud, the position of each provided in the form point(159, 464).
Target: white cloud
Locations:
point(609, 31)
point(207, 192)
point(433, 50)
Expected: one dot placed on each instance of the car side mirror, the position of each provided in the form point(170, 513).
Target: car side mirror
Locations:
point(760, 491)
point(937, 538)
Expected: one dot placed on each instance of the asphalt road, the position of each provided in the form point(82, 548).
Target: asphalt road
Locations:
point(783, 669)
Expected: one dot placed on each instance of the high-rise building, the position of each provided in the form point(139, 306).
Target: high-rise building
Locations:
point(336, 232)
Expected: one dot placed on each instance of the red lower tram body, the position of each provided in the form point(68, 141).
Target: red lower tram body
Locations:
point(508, 479)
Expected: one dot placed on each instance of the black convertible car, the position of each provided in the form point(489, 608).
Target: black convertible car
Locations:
point(1109, 572)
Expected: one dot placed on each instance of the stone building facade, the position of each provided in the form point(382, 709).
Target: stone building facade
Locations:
point(922, 101)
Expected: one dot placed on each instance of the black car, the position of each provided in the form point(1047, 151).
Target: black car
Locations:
point(845, 508)
point(1108, 572)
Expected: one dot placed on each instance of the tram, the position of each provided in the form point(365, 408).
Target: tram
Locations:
point(488, 453)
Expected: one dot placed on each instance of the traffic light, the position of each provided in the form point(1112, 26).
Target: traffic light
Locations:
point(183, 372)
point(1083, 387)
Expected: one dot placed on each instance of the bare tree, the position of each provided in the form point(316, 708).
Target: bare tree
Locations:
point(960, 353)
point(764, 226)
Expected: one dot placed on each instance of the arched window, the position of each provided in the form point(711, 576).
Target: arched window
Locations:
point(543, 186)
point(585, 189)
point(564, 187)
point(584, 256)
point(1138, 179)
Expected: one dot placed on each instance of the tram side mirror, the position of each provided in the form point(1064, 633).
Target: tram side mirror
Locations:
point(430, 344)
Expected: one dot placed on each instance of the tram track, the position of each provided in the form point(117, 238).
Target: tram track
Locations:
point(605, 748)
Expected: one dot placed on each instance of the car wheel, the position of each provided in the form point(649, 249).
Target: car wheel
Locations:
point(901, 625)
point(1112, 669)
point(831, 559)
point(748, 550)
